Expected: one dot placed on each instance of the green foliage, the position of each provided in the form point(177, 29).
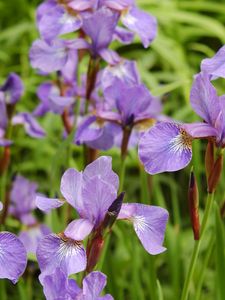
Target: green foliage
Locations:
point(188, 32)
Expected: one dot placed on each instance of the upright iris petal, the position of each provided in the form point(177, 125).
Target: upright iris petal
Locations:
point(13, 258)
point(215, 66)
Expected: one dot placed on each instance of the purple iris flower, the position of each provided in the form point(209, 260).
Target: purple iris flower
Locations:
point(215, 66)
point(3, 122)
point(54, 19)
point(138, 21)
point(12, 88)
point(100, 27)
point(58, 286)
point(168, 146)
point(23, 196)
point(13, 257)
point(92, 193)
point(52, 100)
point(30, 124)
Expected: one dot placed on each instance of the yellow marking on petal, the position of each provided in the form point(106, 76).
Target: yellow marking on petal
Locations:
point(145, 124)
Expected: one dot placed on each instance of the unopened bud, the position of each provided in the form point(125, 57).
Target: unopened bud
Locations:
point(193, 205)
point(113, 212)
point(215, 174)
point(94, 252)
point(209, 158)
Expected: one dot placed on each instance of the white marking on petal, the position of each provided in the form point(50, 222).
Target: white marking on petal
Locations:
point(140, 223)
point(67, 19)
point(130, 19)
point(68, 247)
point(181, 142)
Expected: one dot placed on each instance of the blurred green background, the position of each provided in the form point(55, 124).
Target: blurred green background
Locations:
point(188, 32)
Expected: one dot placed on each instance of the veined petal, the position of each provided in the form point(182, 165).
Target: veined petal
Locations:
point(93, 284)
point(71, 184)
point(204, 99)
point(97, 196)
point(165, 147)
point(215, 65)
point(149, 224)
point(79, 229)
point(13, 257)
point(59, 251)
point(142, 23)
point(47, 204)
point(102, 167)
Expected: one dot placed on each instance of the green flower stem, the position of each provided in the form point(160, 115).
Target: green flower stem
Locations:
point(153, 287)
point(122, 173)
point(205, 264)
point(197, 247)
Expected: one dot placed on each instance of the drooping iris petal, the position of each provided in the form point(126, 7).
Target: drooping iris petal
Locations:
point(58, 21)
point(78, 229)
point(215, 66)
point(13, 88)
point(123, 35)
point(149, 224)
point(88, 130)
point(165, 147)
point(58, 286)
point(54, 251)
point(13, 258)
point(31, 237)
point(204, 99)
point(31, 125)
point(47, 204)
point(142, 23)
point(48, 58)
point(97, 196)
point(93, 284)
point(71, 184)
point(102, 167)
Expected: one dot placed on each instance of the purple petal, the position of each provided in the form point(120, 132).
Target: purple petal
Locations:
point(71, 184)
point(149, 224)
point(123, 35)
point(110, 56)
point(79, 229)
point(48, 58)
point(215, 66)
point(58, 21)
point(67, 254)
point(1, 206)
point(69, 69)
point(102, 167)
point(200, 130)
point(88, 130)
point(100, 27)
point(141, 23)
point(97, 196)
point(13, 258)
point(3, 112)
point(126, 71)
point(165, 147)
point(204, 99)
point(31, 126)
point(93, 284)
point(119, 5)
point(31, 237)
point(47, 204)
point(58, 286)
point(81, 5)
point(13, 88)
